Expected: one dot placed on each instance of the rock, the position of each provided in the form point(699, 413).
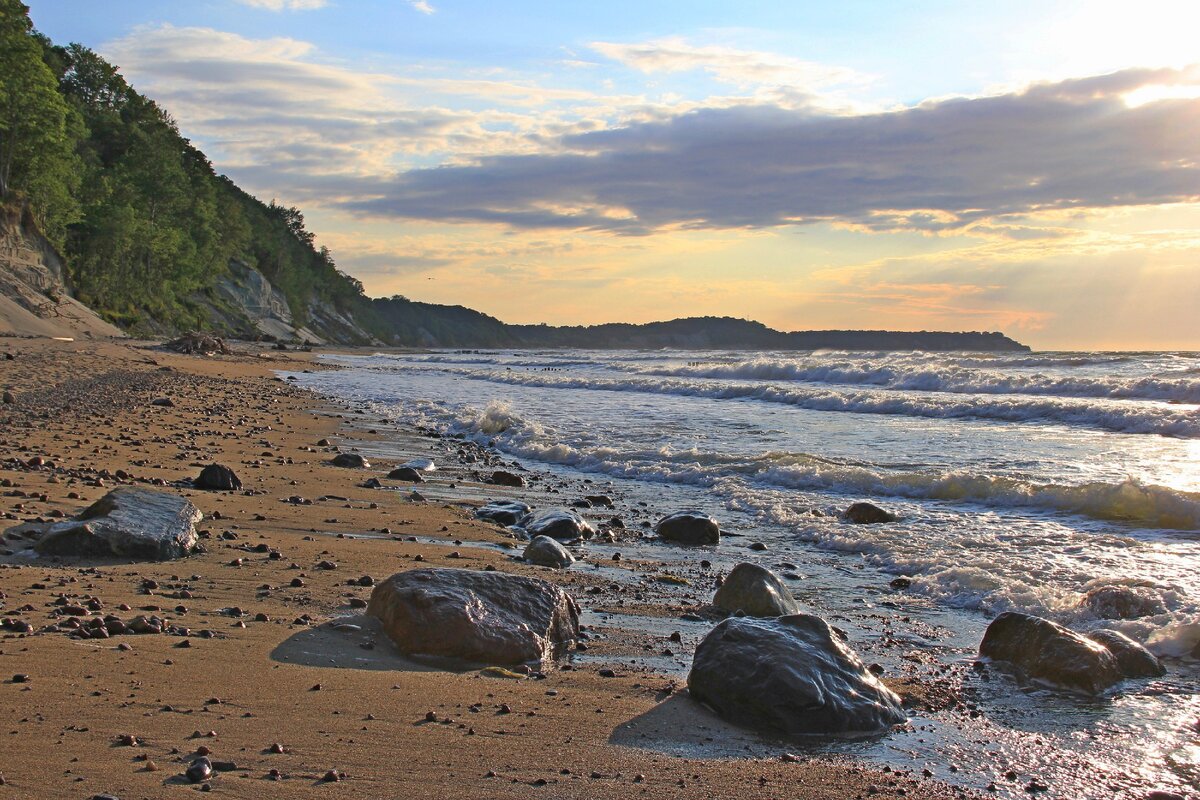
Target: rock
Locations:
point(1048, 652)
point(372, 483)
point(406, 474)
point(790, 675)
point(194, 343)
point(689, 527)
point(165, 402)
point(127, 523)
point(599, 500)
point(504, 512)
point(217, 477)
point(546, 552)
point(9, 398)
point(482, 617)
point(868, 514)
point(1133, 660)
point(1123, 602)
point(504, 478)
point(756, 592)
point(420, 465)
point(350, 461)
point(200, 770)
point(557, 523)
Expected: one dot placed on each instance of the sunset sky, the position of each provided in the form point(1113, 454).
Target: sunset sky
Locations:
point(1031, 167)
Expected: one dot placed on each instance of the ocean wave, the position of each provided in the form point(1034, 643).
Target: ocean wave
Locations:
point(1108, 416)
point(941, 378)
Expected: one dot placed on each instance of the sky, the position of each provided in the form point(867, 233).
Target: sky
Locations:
point(1030, 167)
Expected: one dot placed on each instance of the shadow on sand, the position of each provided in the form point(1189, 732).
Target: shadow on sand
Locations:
point(350, 642)
point(680, 726)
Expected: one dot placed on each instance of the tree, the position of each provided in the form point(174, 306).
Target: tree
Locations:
point(36, 154)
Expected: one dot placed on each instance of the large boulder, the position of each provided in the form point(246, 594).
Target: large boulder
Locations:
point(1123, 602)
point(504, 512)
point(129, 523)
point(868, 514)
point(1048, 652)
point(756, 592)
point(217, 478)
point(1133, 660)
point(482, 617)
point(558, 523)
point(689, 527)
point(789, 675)
point(546, 552)
point(350, 461)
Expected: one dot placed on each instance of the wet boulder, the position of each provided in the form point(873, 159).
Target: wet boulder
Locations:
point(1133, 660)
point(504, 512)
point(557, 523)
point(350, 461)
point(546, 552)
point(406, 474)
point(217, 478)
point(756, 592)
point(791, 675)
point(127, 522)
point(505, 478)
point(689, 527)
point(868, 514)
point(1123, 602)
point(1046, 651)
point(481, 617)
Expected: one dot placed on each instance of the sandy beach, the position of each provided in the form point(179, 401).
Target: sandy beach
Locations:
point(278, 658)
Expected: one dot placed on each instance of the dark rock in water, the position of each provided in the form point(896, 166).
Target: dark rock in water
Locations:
point(756, 592)
point(482, 617)
point(616, 522)
point(1133, 660)
point(1046, 651)
point(504, 512)
point(504, 478)
point(789, 675)
point(217, 477)
point(599, 500)
point(127, 523)
point(546, 552)
point(1123, 602)
point(689, 527)
point(557, 523)
point(350, 461)
point(901, 582)
point(868, 514)
point(406, 474)
point(581, 503)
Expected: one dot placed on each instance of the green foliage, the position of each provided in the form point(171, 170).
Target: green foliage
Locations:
point(147, 227)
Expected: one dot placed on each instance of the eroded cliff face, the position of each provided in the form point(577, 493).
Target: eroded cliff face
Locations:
point(35, 299)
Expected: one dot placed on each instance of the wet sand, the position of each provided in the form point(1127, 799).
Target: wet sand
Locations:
point(314, 676)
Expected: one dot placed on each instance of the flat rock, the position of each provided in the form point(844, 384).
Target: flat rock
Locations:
point(557, 523)
point(789, 675)
point(756, 592)
point(1048, 652)
point(481, 617)
point(127, 522)
point(217, 477)
point(546, 552)
point(504, 512)
point(868, 514)
point(689, 527)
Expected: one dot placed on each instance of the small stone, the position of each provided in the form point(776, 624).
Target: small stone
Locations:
point(332, 776)
point(200, 770)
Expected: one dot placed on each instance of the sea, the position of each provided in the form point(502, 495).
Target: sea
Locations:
point(1021, 481)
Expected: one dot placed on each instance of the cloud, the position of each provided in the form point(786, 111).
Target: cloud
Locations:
point(938, 166)
point(727, 64)
point(422, 6)
point(285, 5)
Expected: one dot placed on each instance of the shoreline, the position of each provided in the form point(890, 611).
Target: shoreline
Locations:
point(85, 407)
